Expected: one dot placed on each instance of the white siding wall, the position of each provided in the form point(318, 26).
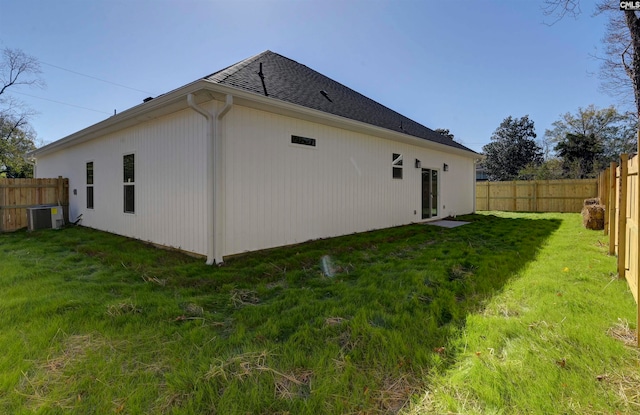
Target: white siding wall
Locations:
point(170, 177)
point(278, 193)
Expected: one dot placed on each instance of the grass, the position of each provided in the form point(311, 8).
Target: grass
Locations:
point(552, 342)
point(96, 323)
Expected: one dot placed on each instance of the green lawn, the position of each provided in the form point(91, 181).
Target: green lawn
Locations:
point(551, 342)
point(509, 314)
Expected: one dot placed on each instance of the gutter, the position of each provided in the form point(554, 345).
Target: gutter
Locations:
point(174, 101)
point(215, 179)
point(161, 105)
point(277, 106)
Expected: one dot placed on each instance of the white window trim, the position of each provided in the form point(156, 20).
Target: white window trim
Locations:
point(398, 163)
point(133, 183)
point(92, 185)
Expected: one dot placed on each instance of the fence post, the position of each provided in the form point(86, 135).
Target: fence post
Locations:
point(59, 190)
point(488, 192)
point(604, 199)
point(535, 196)
point(622, 216)
point(637, 220)
point(612, 207)
point(2, 203)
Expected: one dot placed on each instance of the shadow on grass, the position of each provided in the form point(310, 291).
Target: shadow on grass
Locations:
point(383, 320)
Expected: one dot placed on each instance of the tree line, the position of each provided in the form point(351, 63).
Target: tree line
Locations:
point(579, 145)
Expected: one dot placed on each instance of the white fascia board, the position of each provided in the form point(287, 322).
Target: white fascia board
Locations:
point(260, 102)
point(162, 105)
point(205, 90)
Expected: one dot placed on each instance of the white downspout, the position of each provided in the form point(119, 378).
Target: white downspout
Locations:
point(215, 180)
point(219, 188)
point(475, 183)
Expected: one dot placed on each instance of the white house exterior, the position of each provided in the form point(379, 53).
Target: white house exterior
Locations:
point(220, 170)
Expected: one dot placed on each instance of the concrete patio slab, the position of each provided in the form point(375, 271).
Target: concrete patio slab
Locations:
point(447, 223)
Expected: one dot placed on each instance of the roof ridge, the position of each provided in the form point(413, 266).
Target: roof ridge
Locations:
point(223, 74)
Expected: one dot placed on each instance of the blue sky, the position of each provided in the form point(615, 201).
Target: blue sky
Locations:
point(461, 65)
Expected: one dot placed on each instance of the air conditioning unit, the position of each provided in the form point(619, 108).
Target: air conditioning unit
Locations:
point(44, 217)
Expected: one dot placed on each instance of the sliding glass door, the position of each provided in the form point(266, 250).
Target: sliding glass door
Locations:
point(429, 193)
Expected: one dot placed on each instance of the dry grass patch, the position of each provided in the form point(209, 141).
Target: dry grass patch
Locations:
point(241, 298)
point(625, 383)
point(41, 386)
point(238, 367)
point(346, 341)
point(334, 321)
point(395, 393)
point(293, 385)
point(154, 280)
point(121, 309)
point(627, 387)
point(427, 403)
point(459, 271)
point(621, 331)
point(168, 402)
point(192, 310)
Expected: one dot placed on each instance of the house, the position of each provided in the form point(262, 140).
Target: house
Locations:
point(264, 153)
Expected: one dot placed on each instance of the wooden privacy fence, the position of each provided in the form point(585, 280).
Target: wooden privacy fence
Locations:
point(16, 195)
point(618, 190)
point(536, 195)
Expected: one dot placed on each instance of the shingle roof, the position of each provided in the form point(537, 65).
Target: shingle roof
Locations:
point(290, 81)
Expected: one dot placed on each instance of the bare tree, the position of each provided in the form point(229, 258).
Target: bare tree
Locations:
point(16, 135)
point(616, 72)
point(633, 68)
point(620, 70)
point(18, 68)
point(558, 9)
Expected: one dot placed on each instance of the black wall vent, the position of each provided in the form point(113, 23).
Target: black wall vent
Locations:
point(296, 139)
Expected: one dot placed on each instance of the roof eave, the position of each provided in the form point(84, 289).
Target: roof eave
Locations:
point(163, 104)
point(256, 101)
point(205, 90)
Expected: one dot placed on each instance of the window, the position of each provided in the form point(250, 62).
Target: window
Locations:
point(90, 185)
point(397, 166)
point(128, 162)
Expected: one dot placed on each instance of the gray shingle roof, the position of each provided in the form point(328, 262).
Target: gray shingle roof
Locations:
point(290, 81)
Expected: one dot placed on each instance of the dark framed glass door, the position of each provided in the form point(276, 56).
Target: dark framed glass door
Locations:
point(429, 193)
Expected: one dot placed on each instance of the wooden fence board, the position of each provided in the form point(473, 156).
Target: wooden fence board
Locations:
point(535, 196)
point(620, 191)
point(18, 194)
point(611, 206)
point(622, 218)
point(629, 251)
